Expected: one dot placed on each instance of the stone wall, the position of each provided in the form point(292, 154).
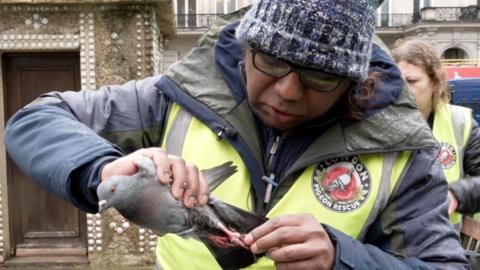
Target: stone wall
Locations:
point(118, 41)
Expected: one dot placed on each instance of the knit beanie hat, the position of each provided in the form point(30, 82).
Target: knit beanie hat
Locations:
point(328, 35)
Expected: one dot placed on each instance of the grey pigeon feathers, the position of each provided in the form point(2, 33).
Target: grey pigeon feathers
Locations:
point(145, 201)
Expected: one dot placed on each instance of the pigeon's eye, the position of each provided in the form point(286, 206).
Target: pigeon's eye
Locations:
point(112, 189)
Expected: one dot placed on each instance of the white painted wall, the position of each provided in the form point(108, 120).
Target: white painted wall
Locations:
point(401, 7)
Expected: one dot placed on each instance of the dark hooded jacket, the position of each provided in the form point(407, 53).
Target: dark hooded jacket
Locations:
point(63, 139)
point(467, 190)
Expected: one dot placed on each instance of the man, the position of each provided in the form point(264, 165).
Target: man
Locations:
point(327, 141)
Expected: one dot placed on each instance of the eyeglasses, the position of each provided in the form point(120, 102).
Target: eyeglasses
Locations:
point(312, 79)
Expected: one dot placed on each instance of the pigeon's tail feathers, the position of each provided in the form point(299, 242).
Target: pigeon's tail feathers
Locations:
point(231, 258)
point(146, 166)
point(216, 175)
point(236, 218)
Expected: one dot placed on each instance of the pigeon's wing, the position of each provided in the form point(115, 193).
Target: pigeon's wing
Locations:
point(236, 218)
point(231, 258)
point(216, 175)
point(239, 220)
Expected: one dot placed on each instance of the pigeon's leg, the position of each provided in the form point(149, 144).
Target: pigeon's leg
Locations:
point(233, 237)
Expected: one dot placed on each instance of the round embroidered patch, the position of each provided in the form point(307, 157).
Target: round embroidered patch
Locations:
point(447, 156)
point(341, 184)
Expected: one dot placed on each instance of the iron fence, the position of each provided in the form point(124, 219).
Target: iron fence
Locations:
point(195, 21)
point(472, 13)
point(394, 20)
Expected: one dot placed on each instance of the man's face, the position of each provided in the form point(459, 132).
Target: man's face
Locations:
point(285, 102)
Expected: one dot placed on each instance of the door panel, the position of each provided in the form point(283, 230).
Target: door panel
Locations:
point(41, 223)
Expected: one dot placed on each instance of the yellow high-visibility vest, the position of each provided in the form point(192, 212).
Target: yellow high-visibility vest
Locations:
point(452, 127)
point(341, 192)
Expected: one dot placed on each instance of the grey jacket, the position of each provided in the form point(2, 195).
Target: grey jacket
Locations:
point(63, 140)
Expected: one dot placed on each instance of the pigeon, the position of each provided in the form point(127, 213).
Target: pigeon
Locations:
point(145, 201)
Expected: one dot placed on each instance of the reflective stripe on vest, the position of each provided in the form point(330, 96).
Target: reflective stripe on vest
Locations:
point(374, 176)
point(452, 127)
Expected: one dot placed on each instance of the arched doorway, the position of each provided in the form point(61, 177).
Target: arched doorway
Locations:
point(454, 53)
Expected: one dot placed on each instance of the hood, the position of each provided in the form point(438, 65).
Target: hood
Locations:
point(208, 83)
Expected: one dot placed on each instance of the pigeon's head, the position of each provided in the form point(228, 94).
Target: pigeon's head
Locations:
point(121, 191)
point(111, 192)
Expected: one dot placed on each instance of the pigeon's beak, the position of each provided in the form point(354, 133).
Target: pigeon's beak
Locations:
point(102, 205)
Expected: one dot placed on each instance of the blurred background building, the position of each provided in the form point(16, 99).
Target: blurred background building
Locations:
point(453, 26)
point(84, 44)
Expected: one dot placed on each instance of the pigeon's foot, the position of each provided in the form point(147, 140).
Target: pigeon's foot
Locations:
point(230, 239)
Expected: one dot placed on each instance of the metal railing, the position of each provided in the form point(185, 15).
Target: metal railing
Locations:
point(461, 62)
point(203, 21)
point(394, 20)
point(464, 14)
point(195, 21)
point(429, 14)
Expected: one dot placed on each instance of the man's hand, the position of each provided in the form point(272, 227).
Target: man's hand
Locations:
point(187, 182)
point(293, 242)
point(452, 207)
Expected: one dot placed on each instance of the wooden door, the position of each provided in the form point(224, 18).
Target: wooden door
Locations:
point(41, 224)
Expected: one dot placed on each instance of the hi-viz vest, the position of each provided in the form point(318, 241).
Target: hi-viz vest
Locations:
point(452, 127)
point(344, 192)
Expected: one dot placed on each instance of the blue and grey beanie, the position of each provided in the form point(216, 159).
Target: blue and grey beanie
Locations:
point(329, 35)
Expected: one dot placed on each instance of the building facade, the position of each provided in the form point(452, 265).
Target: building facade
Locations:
point(452, 26)
point(74, 44)
point(71, 45)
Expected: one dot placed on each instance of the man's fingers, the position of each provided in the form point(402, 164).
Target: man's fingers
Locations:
point(162, 163)
point(203, 190)
point(190, 196)
point(187, 182)
point(279, 237)
point(179, 174)
point(291, 253)
point(270, 226)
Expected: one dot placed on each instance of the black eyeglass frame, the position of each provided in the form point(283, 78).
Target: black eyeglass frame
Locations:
point(299, 70)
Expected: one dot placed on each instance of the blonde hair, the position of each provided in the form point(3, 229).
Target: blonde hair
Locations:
point(422, 54)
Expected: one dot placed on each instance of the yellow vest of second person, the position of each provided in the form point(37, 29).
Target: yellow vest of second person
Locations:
point(452, 127)
point(344, 192)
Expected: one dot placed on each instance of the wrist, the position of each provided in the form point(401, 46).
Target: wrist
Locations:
point(105, 170)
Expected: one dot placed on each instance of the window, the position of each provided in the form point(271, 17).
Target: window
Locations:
point(427, 3)
point(454, 53)
point(186, 10)
point(383, 14)
point(226, 6)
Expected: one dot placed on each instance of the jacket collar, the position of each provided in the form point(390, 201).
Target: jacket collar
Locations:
point(392, 124)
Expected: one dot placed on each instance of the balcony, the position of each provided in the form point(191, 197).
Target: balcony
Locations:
point(429, 15)
point(201, 22)
point(451, 14)
point(193, 22)
point(394, 20)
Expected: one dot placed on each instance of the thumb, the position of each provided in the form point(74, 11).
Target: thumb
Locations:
point(120, 166)
point(453, 205)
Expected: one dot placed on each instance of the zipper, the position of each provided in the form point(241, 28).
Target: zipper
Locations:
point(270, 179)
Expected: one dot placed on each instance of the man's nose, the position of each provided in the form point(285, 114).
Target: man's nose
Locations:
point(290, 87)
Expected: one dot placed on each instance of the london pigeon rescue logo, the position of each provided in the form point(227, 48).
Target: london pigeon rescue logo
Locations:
point(447, 156)
point(341, 184)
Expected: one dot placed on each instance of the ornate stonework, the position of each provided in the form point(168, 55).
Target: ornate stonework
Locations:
point(117, 42)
